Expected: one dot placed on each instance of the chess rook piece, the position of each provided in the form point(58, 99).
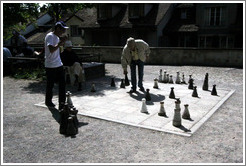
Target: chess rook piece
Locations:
point(205, 83)
point(126, 80)
point(69, 100)
point(194, 94)
point(147, 95)
point(191, 84)
point(186, 114)
point(93, 89)
point(112, 82)
point(144, 107)
point(172, 95)
point(178, 79)
point(214, 92)
point(160, 76)
point(122, 84)
point(171, 79)
point(177, 118)
point(162, 111)
point(164, 80)
point(183, 79)
point(71, 129)
point(155, 83)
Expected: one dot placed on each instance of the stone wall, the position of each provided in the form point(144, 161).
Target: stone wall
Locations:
point(175, 56)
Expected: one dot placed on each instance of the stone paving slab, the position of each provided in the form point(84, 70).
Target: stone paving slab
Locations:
point(117, 105)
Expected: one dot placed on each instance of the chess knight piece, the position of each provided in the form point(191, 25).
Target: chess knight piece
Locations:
point(186, 114)
point(126, 80)
point(177, 115)
point(160, 76)
point(144, 107)
point(162, 111)
point(194, 94)
point(178, 79)
point(205, 83)
point(93, 89)
point(171, 79)
point(155, 83)
point(172, 95)
point(191, 82)
point(69, 100)
point(122, 84)
point(147, 95)
point(112, 82)
point(214, 92)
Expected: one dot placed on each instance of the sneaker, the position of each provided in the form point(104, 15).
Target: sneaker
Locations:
point(50, 104)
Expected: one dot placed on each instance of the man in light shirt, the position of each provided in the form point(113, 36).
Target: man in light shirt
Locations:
point(53, 64)
point(135, 53)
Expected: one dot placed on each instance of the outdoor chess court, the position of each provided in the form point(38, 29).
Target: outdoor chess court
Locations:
point(117, 105)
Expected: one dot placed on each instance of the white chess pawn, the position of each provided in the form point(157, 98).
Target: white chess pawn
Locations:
point(144, 107)
point(155, 83)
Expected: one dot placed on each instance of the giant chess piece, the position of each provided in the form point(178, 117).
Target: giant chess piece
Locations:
point(205, 83)
point(214, 91)
point(69, 100)
point(191, 82)
point(172, 95)
point(126, 80)
point(194, 93)
point(64, 114)
point(190, 77)
point(186, 114)
point(74, 112)
point(177, 114)
point(162, 111)
point(93, 88)
point(155, 83)
point(147, 95)
point(160, 76)
point(144, 107)
point(71, 129)
point(112, 82)
point(164, 80)
point(167, 78)
point(183, 79)
point(178, 79)
point(171, 79)
point(122, 84)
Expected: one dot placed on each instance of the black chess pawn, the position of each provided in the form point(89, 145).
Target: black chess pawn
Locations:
point(167, 78)
point(189, 78)
point(205, 83)
point(191, 81)
point(186, 114)
point(162, 111)
point(172, 95)
point(93, 88)
point(127, 83)
point(112, 82)
point(194, 94)
point(122, 84)
point(71, 129)
point(171, 79)
point(214, 92)
point(147, 95)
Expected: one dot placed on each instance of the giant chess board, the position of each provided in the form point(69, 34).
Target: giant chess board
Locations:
point(118, 105)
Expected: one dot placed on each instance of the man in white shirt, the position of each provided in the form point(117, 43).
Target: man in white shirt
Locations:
point(53, 64)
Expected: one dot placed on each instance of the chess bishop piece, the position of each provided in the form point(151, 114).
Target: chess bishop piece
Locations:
point(191, 82)
point(126, 80)
point(172, 95)
point(155, 83)
point(162, 111)
point(178, 79)
point(93, 89)
point(183, 79)
point(144, 107)
point(214, 91)
point(160, 76)
point(177, 114)
point(69, 100)
point(147, 95)
point(164, 80)
point(122, 84)
point(205, 83)
point(171, 79)
point(194, 94)
point(186, 114)
point(112, 82)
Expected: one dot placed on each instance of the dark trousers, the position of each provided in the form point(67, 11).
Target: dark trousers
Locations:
point(133, 66)
point(55, 75)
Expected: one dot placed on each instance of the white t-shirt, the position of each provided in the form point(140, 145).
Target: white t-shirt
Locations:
point(52, 60)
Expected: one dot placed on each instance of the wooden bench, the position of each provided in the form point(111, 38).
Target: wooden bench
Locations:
point(23, 61)
point(89, 57)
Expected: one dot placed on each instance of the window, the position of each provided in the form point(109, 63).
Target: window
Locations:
point(75, 31)
point(104, 11)
point(214, 16)
point(216, 42)
point(136, 10)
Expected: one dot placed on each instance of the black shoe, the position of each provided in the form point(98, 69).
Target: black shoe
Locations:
point(132, 91)
point(142, 89)
point(50, 104)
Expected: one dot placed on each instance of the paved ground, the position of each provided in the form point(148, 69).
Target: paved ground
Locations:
point(31, 133)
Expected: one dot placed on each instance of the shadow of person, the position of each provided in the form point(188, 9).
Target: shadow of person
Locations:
point(55, 113)
point(154, 97)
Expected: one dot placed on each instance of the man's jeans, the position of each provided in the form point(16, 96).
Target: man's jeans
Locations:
point(140, 65)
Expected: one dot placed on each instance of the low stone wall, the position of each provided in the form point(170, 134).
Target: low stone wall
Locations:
point(175, 56)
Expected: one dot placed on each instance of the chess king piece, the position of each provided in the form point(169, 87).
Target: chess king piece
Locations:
point(191, 82)
point(71, 129)
point(93, 89)
point(178, 79)
point(194, 94)
point(205, 83)
point(160, 76)
point(69, 100)
point(126, 80)
point(164, 80)
point(162, 111)
point(172, 95)
point(186, 114)
point(112, 82)
point(155, 83)
point(144, 107)
point(177, 115)
point(214, 91)
point(171, 79)
point(147, 95)
point(122, 84)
